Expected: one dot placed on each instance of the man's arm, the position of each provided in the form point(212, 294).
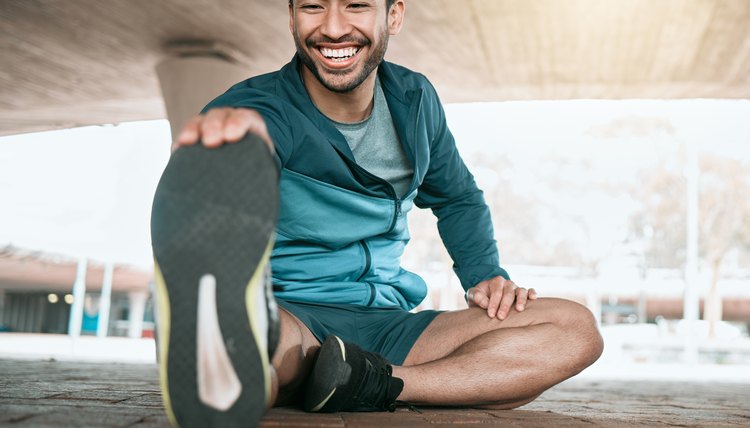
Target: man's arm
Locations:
point(465, 224)
point(239, 111)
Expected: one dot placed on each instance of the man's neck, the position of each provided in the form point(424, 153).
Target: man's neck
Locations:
point(349, 107)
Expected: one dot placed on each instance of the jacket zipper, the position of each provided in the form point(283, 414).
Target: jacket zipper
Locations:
point(396, 199)
point(397, 210)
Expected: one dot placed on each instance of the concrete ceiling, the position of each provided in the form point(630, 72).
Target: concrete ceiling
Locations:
point(79, 62)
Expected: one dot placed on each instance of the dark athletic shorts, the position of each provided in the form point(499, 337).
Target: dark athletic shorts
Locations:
point(391, 332)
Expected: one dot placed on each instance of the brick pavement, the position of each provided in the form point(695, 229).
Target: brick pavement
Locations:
point(73, 394)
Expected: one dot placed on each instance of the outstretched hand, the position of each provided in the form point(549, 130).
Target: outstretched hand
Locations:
point(498, 295)
point(222, 125)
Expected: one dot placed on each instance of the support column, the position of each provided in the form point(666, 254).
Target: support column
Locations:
point(105, 301)
point(137, 303)
point(193, 74)
point(642, 313)
point(79, 293)
point(691, 302)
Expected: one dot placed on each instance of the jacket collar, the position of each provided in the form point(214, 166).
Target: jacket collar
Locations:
point(296, 92)
point(392, 85)
point(398, 97)
point(294, 89)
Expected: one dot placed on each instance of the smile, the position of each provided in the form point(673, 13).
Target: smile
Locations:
point(338, 55)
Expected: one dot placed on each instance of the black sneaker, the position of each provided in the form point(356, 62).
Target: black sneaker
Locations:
point(212, 229)
point(346, 378)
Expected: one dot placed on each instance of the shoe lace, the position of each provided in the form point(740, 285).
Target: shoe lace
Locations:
point(374, 390)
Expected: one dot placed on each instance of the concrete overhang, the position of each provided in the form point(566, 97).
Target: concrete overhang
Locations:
point(84, 62)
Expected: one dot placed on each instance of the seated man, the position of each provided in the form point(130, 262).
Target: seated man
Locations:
point(305, 207)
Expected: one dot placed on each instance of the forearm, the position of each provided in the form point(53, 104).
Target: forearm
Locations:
point(465, 226)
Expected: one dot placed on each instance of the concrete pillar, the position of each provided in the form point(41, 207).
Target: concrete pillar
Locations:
point(105, 301)
point(642, 315)
point(137, 304)
point(194, 73)
point(691, 303)
point(79, 292)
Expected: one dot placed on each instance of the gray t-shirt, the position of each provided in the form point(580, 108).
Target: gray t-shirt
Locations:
point(376, 146)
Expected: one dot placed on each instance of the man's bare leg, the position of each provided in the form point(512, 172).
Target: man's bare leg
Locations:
point(293, 359)
point(465, 358)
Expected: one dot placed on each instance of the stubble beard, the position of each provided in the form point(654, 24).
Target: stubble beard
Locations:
point(375, 57)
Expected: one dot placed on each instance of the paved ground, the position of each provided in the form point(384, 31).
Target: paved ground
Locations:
point(61, 394)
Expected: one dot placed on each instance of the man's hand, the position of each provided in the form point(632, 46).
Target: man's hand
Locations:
point(497, 295)
point(223, 125)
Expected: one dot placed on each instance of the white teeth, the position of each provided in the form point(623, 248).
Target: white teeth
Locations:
point(339, 54)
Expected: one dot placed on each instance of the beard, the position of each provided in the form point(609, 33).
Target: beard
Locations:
point(343, 85)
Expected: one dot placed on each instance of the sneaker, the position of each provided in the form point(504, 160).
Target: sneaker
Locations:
point(212, 229)
point(346, 378)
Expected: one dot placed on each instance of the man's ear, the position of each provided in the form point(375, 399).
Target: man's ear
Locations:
point(396, 17)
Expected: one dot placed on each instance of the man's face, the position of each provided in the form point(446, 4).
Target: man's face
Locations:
point(343, 41)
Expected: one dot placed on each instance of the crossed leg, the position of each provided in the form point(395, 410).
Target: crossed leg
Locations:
point(465, 358)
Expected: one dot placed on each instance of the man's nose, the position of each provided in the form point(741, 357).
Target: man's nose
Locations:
point(335, 24)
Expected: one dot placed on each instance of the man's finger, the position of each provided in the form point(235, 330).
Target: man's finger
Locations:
point(521, 296)
point(237, 124)
point(189, 133)
point(496, 295)
point(212, 127)
point(244, 121)
point(532, 294)
point(508, 296)
point(475, 297)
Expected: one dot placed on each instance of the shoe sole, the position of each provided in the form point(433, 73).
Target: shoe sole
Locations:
point(330, 371)
point(212, 229)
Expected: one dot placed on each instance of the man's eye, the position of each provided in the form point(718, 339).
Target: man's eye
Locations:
point(358, 5)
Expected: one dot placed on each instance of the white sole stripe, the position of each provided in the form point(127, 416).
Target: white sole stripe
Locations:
point(218, 384)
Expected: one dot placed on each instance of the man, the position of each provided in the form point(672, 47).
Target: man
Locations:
point(351, 143)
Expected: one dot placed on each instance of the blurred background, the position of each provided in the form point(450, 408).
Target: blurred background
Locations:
point(611, 138)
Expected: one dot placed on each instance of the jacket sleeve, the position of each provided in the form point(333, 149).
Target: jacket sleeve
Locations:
point(464, 220)
point(273, 114)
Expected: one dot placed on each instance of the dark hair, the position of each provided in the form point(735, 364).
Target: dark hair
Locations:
point(388, 3)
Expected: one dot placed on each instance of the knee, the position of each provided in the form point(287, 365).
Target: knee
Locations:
point(584, 342)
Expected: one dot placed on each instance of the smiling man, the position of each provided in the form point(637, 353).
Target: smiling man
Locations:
point(278, 240)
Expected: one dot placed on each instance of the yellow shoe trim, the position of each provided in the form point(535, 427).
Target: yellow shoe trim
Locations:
point(163, 332)
point(251, 295)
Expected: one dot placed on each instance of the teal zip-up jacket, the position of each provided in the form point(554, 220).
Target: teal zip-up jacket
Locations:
point(341, 230)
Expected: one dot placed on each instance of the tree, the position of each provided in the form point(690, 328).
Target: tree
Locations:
point(724, 210)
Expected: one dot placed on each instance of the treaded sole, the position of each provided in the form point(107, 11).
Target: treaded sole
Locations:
point(214, 212)
point(330, 372)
